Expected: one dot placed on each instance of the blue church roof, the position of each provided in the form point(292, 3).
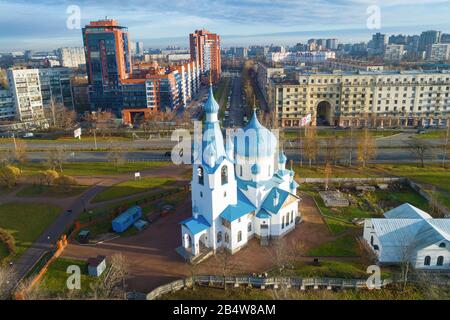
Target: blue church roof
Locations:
point(196, 225)
point(282, 158)
point(268, 203)
point(243, 207)
point(211, 105)
point(263, 214)
point(255, 140)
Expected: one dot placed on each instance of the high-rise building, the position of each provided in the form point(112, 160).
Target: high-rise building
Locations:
point(439, 52)
point(205, 50)
point(25, 87)
point(108, 62)
point(72, 57)
point(139, 47)
point(397, 39)
point(445, 38)
point(56, 87)
point(427, 38)
point(331, 44)
point(377, 44)
point(7, 110)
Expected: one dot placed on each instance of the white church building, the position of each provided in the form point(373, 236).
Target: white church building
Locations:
point(409, 235)
point(240, 190)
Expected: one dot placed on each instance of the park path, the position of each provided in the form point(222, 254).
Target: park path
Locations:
point(77, 204)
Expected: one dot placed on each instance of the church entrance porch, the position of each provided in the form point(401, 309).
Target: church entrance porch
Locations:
point(195, 246)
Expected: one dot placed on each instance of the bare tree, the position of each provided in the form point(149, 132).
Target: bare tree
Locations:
point(56, 158)
point(367, 147)
point(420, 149)
point(311, 145)
point(61, 117)
point(327, 171)
point(113, 286)
point(226, 263)
point(116, 157)
point(20, 153)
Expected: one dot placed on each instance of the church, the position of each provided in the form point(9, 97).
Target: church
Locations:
point(240, 190)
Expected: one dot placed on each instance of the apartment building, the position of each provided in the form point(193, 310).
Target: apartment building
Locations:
point(388, 99)
point(25, 87)
point(394, 52)
point(56, 87)
point(7, 108)
point(205, 50)
point(439, 52)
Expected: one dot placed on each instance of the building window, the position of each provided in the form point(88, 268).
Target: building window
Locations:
point(292, 216)
point(240, 171)
point(224, 175)
point(201, 178)
point(287, 219)
point(239, 236)
point(440, 261)
point(219, 236)
point(227, 237)
point(427, 261)
point(282, 223)
point(442, 245)
point(249, 227)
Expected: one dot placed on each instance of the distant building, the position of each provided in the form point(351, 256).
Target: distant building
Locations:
point(397, 39)
point(263, 76)
point(72, 57)
point(301, 57)
point(427, 38)
point(7, 108)
point(378, 44)
point(26, 90)
point(241, 52)
point(445, 38)
point(332, 44)
point(139, 48)
point(439, 52)
point(409, 235)
point(394, 52)
point(205, 50)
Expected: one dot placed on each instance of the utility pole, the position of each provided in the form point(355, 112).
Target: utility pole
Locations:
point(444, 156)
point(14, 140)
point(351, 146)
point(95, 140)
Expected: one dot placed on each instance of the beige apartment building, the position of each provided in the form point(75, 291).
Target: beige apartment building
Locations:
point(360, 99)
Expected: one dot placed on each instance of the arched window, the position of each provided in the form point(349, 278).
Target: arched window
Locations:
point(201, 177)
point(371, 240)
point(219, 236)
point(240, 171)
point(224, 175)
point(427, 261)
point(227, 237)
point(282, 223)
point(440, 261)
point(292, 217)
point(249, 227)
point(239, 236)
point(442, 245)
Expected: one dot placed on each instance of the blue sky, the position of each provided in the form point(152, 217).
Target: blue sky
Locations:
point(41, 24)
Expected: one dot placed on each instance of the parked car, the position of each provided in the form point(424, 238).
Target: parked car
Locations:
point(421, 131)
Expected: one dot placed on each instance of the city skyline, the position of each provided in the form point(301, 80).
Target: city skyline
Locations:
point(159, 25)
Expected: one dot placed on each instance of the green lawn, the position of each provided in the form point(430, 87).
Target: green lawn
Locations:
point(54, 281)
point(339, 133)
point(50, 191)
point(345, 246)
point(27, 221)
point(306, 171)
point(338, 226)
point(131, 187)
point(432, 134)
point(97, 168)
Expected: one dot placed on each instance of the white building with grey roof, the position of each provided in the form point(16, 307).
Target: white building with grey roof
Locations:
point(408, 234)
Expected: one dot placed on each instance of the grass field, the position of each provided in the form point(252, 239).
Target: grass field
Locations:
point(290, 135)
point(131, 187)
point(54, 281)
point(345, 246)
point(96, 168)
point(26, 222)
point(33, 191)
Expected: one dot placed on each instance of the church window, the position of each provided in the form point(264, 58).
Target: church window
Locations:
point(227, 237)
point(201, 194)
point(292, 216)
point(239, 236)
point(249, 227)
point(282, 223)
point(240, 171)
point(287, 219)
point(224, 175)
point(440, 261)
point(225, 194)
point(442, 245)
point(219, 236)
point(201, 178)
point(270, 169)
point(427, 261)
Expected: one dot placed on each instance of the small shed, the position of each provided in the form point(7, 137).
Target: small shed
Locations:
point(83, 236)
point(127, 219)
point(96, 266)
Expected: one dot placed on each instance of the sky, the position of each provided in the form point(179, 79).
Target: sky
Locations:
point(42, 24)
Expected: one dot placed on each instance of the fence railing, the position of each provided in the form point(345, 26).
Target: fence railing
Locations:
point(262, 283)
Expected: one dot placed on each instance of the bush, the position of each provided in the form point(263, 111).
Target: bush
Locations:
point(48, 177)
point(8, 240)
point(9, 175)
point(65, 182)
